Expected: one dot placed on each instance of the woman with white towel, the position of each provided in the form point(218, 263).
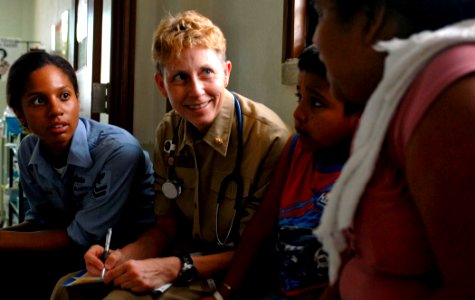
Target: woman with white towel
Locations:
point(399, 224)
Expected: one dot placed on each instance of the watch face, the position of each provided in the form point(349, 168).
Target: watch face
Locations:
point(187, 266)
point(188, 272)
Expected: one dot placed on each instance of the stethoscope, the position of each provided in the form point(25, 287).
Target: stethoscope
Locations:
point(171, 188)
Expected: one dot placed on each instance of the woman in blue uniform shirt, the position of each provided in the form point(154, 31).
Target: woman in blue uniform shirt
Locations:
point(80, 177)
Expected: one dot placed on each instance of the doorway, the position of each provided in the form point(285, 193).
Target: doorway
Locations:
point(104, 58)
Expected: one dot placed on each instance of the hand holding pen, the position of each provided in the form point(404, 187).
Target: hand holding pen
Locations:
point(106, 250)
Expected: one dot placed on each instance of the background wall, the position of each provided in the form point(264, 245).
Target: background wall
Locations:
point(254, 32)
point(47, 13)
point(17, 23)
point(29, 20)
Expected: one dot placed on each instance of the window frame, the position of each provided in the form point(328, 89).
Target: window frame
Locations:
point(300, 21)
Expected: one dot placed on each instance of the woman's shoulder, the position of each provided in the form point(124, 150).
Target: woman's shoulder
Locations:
point(169, 123)
point(261, 123)
point(28, 143)
point(446, 68)
point(259, 112)
point(106, 135)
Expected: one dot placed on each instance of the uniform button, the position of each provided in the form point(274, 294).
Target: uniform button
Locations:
point(171, 161)
point(218, 141)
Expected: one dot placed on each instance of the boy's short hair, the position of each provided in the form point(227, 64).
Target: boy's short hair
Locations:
point(185, 30)
point(309, 61)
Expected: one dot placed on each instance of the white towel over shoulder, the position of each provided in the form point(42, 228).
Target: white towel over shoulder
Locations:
point(405, 59)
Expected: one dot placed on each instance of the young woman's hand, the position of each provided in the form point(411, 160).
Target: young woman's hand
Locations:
point(94, 260)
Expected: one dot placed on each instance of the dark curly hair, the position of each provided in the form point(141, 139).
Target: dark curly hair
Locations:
point(310, 62)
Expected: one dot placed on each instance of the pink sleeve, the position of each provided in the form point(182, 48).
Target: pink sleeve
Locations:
point(442, 71)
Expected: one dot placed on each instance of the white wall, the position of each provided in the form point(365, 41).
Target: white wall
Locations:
point(17, 17)
point(47, 13)
point(254, 32)
point(29, 20)
point(17, 22)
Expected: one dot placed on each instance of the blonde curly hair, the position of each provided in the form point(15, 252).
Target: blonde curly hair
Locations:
point(182, 31)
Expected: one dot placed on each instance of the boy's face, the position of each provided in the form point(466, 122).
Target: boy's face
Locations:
point(319, 118)
point(50, 108)
point(195, 84)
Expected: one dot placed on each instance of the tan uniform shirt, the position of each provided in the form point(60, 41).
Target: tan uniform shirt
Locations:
point(202, 163)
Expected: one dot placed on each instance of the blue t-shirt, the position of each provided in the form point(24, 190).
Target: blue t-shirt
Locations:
point(107, 182)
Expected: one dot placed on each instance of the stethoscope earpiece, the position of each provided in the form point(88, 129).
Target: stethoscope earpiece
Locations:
point(169, 146)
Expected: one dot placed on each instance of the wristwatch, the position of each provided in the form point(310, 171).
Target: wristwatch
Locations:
point(188, 271)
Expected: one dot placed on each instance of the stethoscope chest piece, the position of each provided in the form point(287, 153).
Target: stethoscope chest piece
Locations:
point(171, 189)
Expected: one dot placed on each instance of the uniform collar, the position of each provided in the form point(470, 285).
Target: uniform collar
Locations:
point(219, 134)
point(79, 154)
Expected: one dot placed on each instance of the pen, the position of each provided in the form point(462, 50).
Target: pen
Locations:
point(106, 250)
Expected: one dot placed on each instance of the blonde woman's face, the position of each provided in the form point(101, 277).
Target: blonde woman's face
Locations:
point(195, 84)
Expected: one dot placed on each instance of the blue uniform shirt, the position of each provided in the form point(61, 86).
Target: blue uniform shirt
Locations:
point(107, 182)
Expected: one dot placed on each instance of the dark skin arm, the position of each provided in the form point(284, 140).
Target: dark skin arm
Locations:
point(29, 236)
point(258, 229)
point(440, 164)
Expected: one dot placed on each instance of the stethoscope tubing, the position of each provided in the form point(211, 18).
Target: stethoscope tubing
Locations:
point(234, 176)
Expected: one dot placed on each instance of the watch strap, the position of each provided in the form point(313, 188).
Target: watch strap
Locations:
point(188, 271)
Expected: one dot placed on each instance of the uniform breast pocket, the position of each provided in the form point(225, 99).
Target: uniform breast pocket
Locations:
point(229, 186)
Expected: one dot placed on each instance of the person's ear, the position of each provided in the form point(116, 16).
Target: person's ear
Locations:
point(21, 117)
point(355, 120)
point(159, 80)
point(379, 26)
point(227, 72)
